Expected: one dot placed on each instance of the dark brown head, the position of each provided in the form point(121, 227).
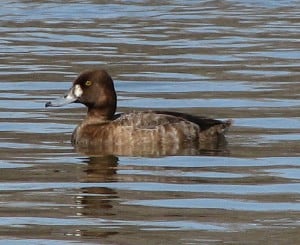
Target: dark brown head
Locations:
point(95, 89)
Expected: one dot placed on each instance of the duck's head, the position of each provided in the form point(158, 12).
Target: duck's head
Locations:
point(94, 89)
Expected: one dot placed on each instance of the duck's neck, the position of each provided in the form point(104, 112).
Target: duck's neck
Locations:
point(100, 114)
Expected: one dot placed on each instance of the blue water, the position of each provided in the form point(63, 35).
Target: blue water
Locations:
point(224, 59)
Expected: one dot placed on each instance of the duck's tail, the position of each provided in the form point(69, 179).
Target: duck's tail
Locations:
point(215, 131)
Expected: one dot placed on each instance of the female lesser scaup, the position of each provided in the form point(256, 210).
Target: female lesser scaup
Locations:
point(103, 128)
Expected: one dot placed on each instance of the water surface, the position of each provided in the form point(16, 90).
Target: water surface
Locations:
point(224, 59)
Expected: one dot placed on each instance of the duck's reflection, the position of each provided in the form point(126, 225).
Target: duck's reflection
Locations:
point(216, 146)
point(102, 202)
point(96, 201)
point(101, 168)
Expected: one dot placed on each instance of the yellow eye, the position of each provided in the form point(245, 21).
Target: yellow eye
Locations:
point(88, 83)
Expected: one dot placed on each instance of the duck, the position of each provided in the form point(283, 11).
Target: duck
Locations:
point(104, 128)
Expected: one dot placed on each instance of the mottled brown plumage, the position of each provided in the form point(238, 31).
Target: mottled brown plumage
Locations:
point(165, 131)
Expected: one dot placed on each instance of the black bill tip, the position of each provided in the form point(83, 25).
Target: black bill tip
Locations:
point(49, 103)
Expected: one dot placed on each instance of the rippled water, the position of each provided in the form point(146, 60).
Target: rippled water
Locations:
point(224, 59)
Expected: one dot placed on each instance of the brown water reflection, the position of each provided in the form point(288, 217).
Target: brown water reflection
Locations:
point(214, 147)
point(223, 59)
